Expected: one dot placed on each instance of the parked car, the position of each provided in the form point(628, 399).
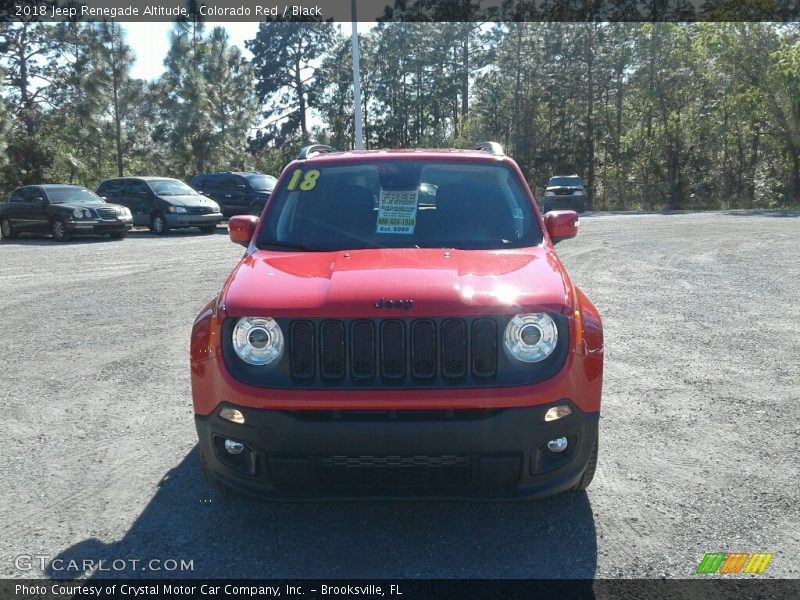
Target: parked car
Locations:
point(237, 193)
point(372, 342)
point(162, 203)
point(565, 192)
point(63, 211)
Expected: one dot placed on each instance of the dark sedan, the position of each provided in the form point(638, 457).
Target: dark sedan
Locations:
point(63, 211)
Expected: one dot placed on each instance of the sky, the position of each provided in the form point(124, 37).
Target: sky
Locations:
point(150, 42)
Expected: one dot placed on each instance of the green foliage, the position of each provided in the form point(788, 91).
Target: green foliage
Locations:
point(652, 115)
point(285, 54)
point(206, 105)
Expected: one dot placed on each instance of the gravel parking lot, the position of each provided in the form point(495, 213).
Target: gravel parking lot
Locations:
point(699, 435)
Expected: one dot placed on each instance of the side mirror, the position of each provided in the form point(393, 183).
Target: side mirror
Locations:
point(38, 201)
point(561, 224)
point(241, 186)
point(104, 198)
point(241, 229)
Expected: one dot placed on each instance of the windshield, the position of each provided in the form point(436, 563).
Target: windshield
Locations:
point(565, 181)
point(65, 194)
point(400, 204)
point(171, 187)
point(261, 183)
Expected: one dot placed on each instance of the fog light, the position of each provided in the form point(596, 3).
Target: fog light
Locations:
point(556, 445)
point(557, 412)
point(234, 447)
point(233, 415)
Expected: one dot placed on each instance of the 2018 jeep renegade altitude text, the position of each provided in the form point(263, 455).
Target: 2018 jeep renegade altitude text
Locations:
point(400, 325)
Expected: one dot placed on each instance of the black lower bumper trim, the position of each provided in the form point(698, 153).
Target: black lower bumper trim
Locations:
point(498, 453)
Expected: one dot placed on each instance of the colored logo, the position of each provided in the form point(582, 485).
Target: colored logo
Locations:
point(734, 562)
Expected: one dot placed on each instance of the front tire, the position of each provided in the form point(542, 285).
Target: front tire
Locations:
point(117, 235)
point(208, 228)
point(59, 230)
point(159, 224)
point(6, 231)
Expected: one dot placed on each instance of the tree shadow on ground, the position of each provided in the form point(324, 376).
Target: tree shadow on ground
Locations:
point(230, 537)
point(764, 213)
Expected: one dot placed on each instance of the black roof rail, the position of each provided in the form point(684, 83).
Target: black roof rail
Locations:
point(308, 151)
point(492, 148)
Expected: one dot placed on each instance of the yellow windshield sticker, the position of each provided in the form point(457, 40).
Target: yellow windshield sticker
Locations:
point(397, 212)
point(306, 182)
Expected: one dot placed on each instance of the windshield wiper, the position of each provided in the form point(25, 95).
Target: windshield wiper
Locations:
point(292, 246)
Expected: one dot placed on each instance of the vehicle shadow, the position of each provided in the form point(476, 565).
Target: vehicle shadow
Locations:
point(33, 239)
point(231, 537)
point(189, 231)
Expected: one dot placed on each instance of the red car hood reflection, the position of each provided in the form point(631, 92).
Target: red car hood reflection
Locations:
point(439, 282)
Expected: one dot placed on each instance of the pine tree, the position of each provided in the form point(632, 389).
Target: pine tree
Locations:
point(286, 57)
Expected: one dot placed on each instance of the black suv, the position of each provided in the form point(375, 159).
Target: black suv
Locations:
point(162, 203)
point(238, 193)
point(62, 210)
point(565, 191)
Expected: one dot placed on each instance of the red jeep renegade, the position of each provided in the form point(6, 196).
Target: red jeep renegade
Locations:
point(400, 325)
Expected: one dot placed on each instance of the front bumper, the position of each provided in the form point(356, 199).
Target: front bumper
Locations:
point(177, 220)
point(473, 453)
point(98, 226)
point(565, 202)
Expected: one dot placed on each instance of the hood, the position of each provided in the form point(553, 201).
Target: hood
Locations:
point(187, 200)
point(439, 282)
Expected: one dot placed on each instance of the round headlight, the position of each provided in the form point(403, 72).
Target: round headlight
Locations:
point(87, 213)
point(258, 340)
point(77, 213)
point(531, 337)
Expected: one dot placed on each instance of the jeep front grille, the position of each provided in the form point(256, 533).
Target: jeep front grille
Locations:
point(394, 349)
point(396, 352)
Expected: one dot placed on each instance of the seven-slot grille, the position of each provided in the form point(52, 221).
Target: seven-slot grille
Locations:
point(107, 213)
point(199, 210)
point(393, 350)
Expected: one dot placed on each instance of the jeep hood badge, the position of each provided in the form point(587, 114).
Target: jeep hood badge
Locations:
point(401, 304)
